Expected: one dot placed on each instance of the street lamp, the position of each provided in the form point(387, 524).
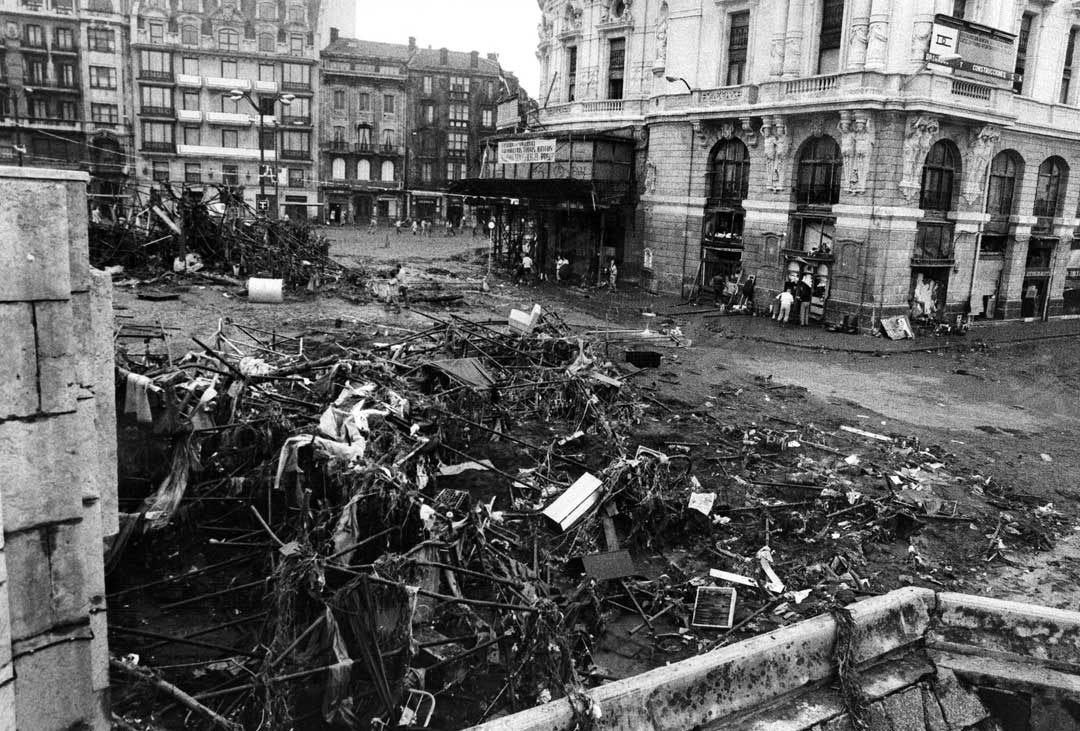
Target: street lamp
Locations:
point(673, 79)
point(238, 94)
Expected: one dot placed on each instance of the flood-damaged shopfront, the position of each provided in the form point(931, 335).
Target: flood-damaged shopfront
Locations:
point(560, 197)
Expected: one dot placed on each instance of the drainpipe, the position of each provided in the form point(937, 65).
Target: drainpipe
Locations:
point(686, 229)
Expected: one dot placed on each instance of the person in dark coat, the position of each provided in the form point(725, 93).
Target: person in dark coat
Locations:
point(802, 297)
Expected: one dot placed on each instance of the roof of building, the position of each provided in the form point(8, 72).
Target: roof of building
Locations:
point(431, 58)
point(422, 58)
point(355, 47)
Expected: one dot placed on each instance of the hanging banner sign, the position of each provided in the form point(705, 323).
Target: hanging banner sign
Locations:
point(975, 50)
point(513, 152)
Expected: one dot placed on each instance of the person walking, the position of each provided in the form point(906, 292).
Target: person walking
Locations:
point(802, 295)
point(783, 313)
point(748, 293)
point(415, 227)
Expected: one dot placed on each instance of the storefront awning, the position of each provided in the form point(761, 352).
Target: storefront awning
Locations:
point(556, 190)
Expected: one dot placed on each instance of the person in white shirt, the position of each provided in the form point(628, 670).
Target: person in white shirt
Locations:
point(786, 300)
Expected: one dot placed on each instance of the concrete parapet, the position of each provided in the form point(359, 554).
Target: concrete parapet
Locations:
point(925, 661)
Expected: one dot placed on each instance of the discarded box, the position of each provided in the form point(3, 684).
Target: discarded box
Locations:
point(524, 322)
point(714, 607)
point(608, 565)
point(572, 505)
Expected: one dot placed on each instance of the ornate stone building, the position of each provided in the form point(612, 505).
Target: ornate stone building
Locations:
point(900, 157)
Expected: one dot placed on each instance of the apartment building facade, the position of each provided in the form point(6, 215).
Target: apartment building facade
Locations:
point(189, 57)
point(909, 158)
point(453, 100)
point(363, 130)
point(54, 110)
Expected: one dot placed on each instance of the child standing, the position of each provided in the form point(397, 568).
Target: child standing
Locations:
point(786, 300)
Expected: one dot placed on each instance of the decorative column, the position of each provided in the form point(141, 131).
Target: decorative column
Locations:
point(793, 38)
point(878, 43)
point(921, 28)
point(776, 47)
point(858, 34)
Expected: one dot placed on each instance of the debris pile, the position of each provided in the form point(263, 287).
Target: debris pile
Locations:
point(349, 528)
point(208, 227)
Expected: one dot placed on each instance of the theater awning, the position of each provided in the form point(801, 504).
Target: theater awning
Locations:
point(539, 191)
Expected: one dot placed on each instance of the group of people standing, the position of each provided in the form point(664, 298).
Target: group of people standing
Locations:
point(794, 301)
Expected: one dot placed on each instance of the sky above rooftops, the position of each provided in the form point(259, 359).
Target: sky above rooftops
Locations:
point(505, 27)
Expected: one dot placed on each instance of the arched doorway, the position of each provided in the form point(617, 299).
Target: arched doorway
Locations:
point(1049, 203)
point(818, 174)
point(1002, 196)
point(722, 228)
point(933, 259)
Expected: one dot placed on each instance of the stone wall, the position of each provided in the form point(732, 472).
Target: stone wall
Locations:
point(58, 446)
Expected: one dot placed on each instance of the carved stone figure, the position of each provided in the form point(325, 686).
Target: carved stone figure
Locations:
point(661, 35)
point(920, 40)
point(780, 148)
point(917, 141)
point(847, 142)
point(727, 130)
point(981, 146)
point(776, 56)
point(859, 36)
point(879, 41)
point(768, 149)
point(859, 177)
point(817, 125)
point(650, 176)
point(792, 54)
point(572, 17)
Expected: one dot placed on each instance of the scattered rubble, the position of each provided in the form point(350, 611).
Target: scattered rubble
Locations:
point(469, 519)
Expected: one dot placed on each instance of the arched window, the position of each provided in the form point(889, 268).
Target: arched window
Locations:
point(1004, 172)
point(189, 35)
point(820, 169)
point(337, 169)
point(729, 172)
point(228, 39)
point(363, 170)
point(267, 43)
point(387, 170)
point(940, 171)
point(1053, 175)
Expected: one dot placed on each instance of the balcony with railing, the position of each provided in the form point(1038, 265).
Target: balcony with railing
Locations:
point(189, 81)
point(336, 146)
point(296, 86)
point(295, 120)
point(155, 111)
point(155, 75)
point(233, 119)
point(189, 115)
point(594, 110)
point(224, 84)
point(152, 146)
point(295, 154)
point(265, 87)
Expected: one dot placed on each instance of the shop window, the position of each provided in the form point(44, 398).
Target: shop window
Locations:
point(933, 241)
point(819, 171)
point(1053, 175)
point(940, 171)
point(815, 235)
